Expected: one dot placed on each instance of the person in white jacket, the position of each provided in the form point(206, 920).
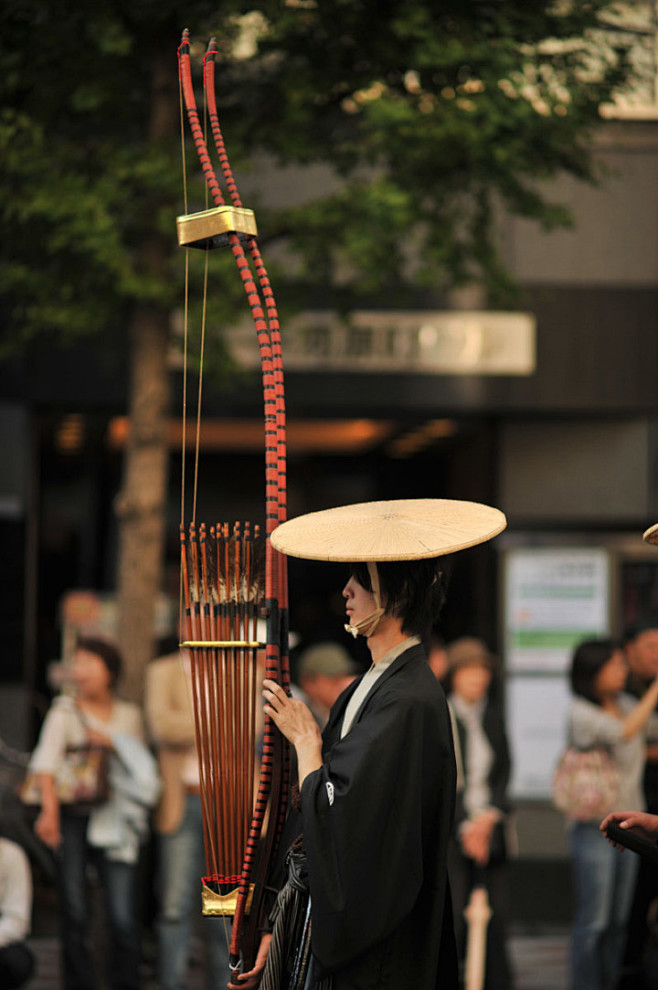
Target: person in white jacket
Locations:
point(16, 959)
point(108, 836)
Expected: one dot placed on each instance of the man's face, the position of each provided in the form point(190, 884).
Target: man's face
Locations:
point(471, 682)
point(359, 603)
point(642, 653)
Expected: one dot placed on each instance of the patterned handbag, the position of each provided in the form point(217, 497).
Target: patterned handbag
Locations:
point(82, 782)
point(585, 784)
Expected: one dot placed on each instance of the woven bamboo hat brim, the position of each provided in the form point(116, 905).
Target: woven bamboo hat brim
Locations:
point(404, 529)
point(651, 535)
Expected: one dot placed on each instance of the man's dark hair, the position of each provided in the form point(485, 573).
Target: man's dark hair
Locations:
point(108, 654)
point(412, 590)
point(588, 659)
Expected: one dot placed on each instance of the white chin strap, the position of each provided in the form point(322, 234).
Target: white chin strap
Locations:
point(366, 627)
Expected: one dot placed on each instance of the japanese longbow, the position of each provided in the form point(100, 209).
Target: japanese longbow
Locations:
point(221, 588)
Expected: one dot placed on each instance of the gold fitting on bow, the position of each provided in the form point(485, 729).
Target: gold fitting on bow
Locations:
point(223, 905)
point(210, 229)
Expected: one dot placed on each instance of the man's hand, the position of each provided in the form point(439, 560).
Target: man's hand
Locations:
point(247, 981)
point(294, 719)
point(47, 828)
point(475, 837)
point(642, 824)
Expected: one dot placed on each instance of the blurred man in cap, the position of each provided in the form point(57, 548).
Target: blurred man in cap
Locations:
point(325, 670)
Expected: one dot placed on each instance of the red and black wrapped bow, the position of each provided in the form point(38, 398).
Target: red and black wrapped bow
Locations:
point(223, 593)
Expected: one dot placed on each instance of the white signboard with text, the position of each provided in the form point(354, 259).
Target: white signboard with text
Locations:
point(554, 599)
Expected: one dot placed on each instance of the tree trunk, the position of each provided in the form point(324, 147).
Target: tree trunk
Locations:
point(141, 504)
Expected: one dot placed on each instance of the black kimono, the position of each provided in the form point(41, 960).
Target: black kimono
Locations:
point(376, 820)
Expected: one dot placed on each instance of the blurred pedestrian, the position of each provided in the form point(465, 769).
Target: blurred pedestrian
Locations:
point(178, 823)
point(641, 650)
point(325, 670)
point(16, 959)
point(479, 852)
point(437, 655)
point(107, 837)
point(601, 715)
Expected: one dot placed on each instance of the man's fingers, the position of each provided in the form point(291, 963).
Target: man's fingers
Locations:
point(274, 689)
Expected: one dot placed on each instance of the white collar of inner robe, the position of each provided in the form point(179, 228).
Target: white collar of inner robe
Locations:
point(368, 680)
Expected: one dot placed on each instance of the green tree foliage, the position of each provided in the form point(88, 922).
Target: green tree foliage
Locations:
point(432, 115)
point(90, 146)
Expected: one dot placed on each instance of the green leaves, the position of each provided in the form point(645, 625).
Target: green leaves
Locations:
point(426, 114)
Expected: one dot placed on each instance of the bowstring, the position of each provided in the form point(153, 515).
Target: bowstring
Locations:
point(197, 441)
point(185, 334)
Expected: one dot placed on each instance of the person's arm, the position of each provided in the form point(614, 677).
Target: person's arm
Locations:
point(47, 826)
point(475, 834)
point(16, 906)
point(247, 981)
point(45, 763)
point(640, 714)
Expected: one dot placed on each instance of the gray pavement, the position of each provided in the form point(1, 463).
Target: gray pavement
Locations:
point(539, 955)
point(539, 963)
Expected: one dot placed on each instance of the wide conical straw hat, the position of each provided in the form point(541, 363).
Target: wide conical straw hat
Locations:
point(404, 529)
point(651, 535)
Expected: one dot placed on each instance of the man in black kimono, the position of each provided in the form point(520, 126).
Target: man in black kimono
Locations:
point(378, 787)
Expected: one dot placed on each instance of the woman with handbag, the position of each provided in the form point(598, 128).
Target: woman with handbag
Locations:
point(602, 716)
point(478, 854)
point(82, 832)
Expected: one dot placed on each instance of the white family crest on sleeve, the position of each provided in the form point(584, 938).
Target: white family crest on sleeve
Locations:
point(330, 792)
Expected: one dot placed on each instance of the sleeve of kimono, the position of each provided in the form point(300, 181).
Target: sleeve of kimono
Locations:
point(363, 824)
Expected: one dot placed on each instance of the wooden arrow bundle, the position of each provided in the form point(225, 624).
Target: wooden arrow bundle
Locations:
point(224, 591)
